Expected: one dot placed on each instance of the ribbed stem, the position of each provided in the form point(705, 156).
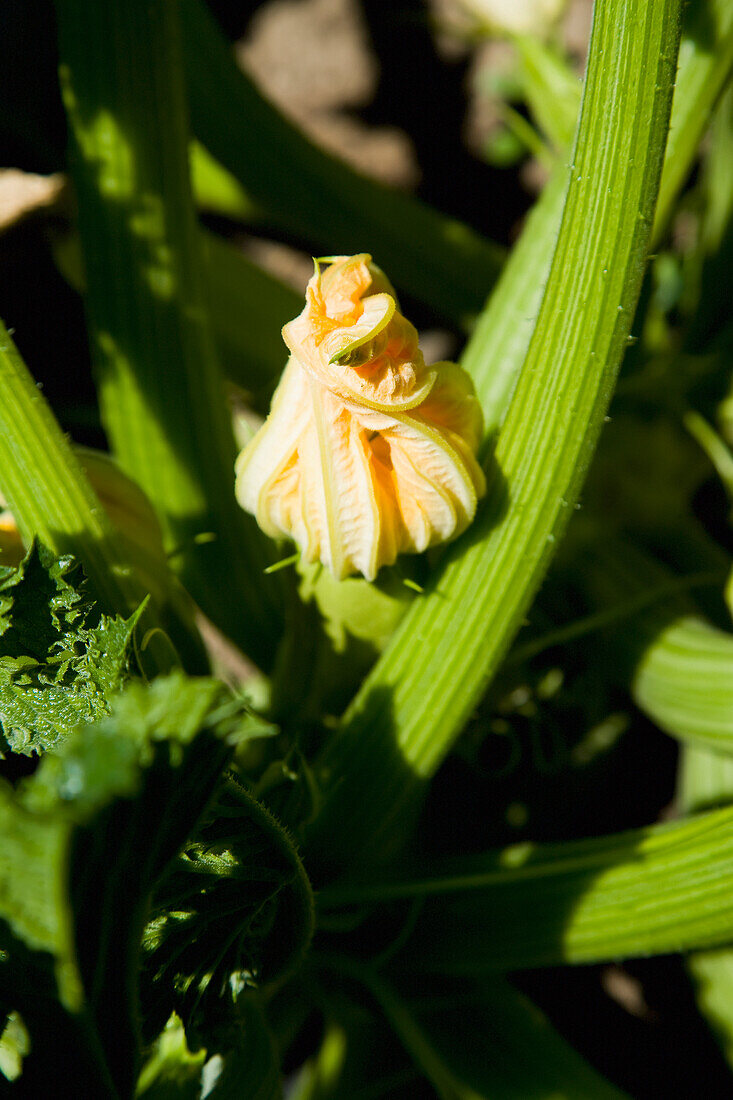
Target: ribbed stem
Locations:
point(45, 487)
point(451, 642)
point(51, 498)
point(160, 385)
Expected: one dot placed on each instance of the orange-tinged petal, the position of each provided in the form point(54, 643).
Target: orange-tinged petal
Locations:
point(385, 369)
point(366, 452)
point(349, 521)
point(453, 406)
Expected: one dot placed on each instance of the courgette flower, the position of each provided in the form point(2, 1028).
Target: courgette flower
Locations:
point(367, 453)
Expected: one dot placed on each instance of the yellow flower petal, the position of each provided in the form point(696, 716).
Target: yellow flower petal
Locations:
point(366, 452)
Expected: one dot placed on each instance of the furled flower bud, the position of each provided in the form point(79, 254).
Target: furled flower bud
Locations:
point(367, 453)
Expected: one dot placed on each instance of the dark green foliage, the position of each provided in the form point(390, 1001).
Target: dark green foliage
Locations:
point(234, 911)
point(61, 661)
point(85, 840)
point(95, 831)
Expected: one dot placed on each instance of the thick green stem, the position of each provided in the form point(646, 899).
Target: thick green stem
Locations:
point(45, 486)
point(159, 380)
point(451, 642)
point(51, 498)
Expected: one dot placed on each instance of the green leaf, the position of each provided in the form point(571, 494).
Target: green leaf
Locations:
point(452, 641)
point(712, 974)
point(683, 681)
point(330, 206)
point(244, 1065)
point(171, 1072)
point(61, 663)
point(216, 190)
point(705, 779)
point(656, 890)
point(14, 1046)
point(44, 482)
point(40, 602)
point(85, 839)
point(236, 908)
point(32, 874)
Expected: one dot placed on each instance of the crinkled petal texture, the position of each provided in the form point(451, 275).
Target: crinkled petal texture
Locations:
point(366, 453)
